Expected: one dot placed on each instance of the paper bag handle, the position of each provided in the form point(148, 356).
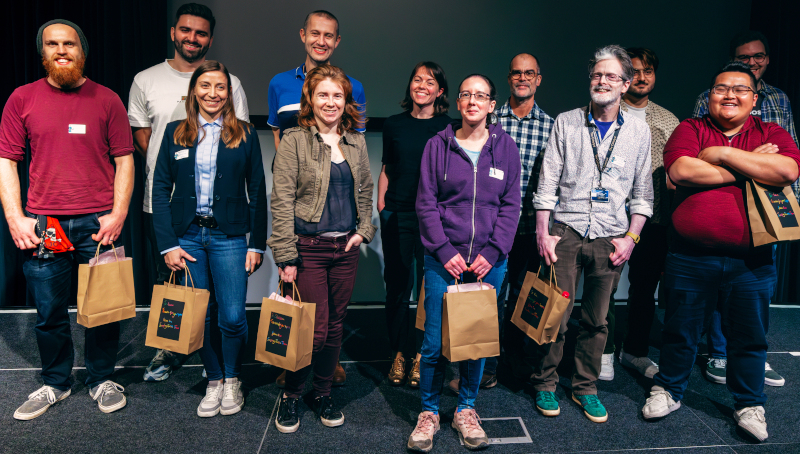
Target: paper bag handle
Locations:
point(480, 281)
point(186, 283)
point(553, 277)
point(294, 290)
point(97, 253)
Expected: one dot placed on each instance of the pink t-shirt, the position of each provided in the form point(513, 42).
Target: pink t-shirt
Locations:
point(74, 137)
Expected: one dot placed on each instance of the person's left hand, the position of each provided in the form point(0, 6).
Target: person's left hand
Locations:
point(622, 250)
point(480, 267)
point(252, 262)
point(110, 228)
point(355, 241)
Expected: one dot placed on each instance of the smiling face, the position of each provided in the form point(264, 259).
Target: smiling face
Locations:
point(424, 89)
point(328, 103)
point(730, 110)
point(320, 37)
point(642, 84)
point(472, 111)
point(211, 92)
point(603, 91)
point(754, 48)
point(62, 55)
point(191, 37)
point(524, 88)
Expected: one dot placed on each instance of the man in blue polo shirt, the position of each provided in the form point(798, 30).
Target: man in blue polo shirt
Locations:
point(320, 34)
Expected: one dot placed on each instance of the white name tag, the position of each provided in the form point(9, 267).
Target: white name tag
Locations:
point(496, 173)
point(77, 129)
point(181, 154)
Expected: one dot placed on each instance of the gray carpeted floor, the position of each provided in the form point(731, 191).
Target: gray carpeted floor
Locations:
point(160, 417)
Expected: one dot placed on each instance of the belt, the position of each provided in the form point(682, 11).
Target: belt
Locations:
point(205, 221)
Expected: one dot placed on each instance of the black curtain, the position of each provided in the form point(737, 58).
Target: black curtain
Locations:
point(779, 21)
point(124, 38)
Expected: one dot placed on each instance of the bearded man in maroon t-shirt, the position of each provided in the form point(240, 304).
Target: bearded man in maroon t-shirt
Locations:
point(712, 260)
point(77, 198)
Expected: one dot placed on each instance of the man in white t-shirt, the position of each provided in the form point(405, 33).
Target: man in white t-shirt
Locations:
point(158, 97)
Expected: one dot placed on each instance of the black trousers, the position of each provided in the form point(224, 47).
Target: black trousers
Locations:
point(402, 253)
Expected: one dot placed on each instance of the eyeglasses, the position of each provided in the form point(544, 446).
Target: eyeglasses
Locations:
point(517, 74)
point(611, 77)
point(479, 96)
point(643, 73)
point(759, 58)
point(738, 90)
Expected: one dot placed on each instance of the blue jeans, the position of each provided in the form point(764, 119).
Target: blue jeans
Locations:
point(53, 284)
point(220, 269)
point(741, 289)
point(432, 364)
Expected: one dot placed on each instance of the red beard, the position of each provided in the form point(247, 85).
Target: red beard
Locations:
point(64, 77)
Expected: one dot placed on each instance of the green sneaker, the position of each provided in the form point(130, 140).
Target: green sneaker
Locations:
point(715, 370)
point(592, 407)
point(547, 403)
point(772, 378)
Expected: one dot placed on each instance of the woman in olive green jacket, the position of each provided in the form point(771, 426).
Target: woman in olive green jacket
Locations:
point(321, 213)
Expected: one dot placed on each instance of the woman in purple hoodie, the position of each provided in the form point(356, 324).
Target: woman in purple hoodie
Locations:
point(468, 204)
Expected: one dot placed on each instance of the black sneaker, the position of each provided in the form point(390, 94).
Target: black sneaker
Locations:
point(328, 414)
point(287, 420)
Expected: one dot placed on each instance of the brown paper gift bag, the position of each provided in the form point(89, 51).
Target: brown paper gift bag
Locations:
point(105, 292)
point(286, 332)
point(469, 325)
point(773, 213)
point(420, 325)
point(177, 316)
point(540, 308)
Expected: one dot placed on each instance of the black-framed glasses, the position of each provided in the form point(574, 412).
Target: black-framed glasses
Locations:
point(648, 73)
point(517, 74)
point(738, 90)
point(611, 77)
point(479, 96)
point(759, 57)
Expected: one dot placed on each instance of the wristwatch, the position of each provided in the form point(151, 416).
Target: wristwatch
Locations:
point(635, 237)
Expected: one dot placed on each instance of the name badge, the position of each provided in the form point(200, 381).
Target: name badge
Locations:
point(77, 129)
point(600, 195)
point(181, 154)
point(496, 173)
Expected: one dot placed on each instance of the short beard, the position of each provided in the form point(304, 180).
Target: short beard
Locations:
point(189, 57)
point(64, 77)
point(606, 99)
point(522, 98)
point(634, 91)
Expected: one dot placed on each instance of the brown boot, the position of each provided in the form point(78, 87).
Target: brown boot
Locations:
point(413, 376)
point(398, 371)
point(281, 381)
point(339, 377)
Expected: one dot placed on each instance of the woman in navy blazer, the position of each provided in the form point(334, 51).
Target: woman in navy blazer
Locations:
point(208, 166)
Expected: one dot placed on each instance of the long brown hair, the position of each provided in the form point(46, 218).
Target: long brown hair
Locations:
point(353, 115)
point(232, 128)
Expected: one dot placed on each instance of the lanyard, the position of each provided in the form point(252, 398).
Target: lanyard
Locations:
point(595, 138)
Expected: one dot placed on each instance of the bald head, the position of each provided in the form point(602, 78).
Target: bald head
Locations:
point(523, 77)
point(524, 57)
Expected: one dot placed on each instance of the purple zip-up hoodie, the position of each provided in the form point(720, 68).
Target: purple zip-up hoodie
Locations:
point(463, 209)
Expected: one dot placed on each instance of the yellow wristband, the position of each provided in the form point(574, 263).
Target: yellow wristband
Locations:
point(635, 237)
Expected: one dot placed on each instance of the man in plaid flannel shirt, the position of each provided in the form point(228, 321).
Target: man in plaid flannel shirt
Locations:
point(530, 127)
point(752, 49)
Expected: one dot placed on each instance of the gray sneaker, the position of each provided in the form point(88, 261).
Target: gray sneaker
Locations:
point(232, 398)
point(210, 404)
point(39, 401)
point(161, 366)
point(109, 396)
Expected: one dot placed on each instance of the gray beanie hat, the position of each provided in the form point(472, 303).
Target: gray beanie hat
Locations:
point(84, 43)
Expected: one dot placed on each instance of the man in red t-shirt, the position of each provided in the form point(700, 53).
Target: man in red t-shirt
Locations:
point(712, 260)
point(81, 177)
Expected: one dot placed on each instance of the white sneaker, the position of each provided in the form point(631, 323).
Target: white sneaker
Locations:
point(232, 398)
point(210, 404)
point(643, 364)
point(607, 367)
point(751, 419)
point(659, 404)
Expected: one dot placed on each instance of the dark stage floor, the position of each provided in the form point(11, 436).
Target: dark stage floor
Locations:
point(160, 417)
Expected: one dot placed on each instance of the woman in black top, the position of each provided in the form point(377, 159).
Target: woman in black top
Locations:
point(404, 139)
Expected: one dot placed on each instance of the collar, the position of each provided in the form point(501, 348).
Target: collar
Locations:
point(299, 72)
point(748, 123)
point(766, 88)
point(348, 136)
point(204, 123)
point(591, 122)
point(506, 111)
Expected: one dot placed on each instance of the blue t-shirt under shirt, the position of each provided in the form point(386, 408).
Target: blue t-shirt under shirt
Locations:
point(603, 127)
point(473, 155)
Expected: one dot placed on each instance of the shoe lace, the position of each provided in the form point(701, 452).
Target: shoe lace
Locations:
point(45, 392)
point(230, 390)
point(397, 366)
point(470, 420)
point(108, 387)
point(547, 397)
point(719, 363)
point(415, 368)
point(754, 412)
point(589, 400)
point(289, 406)
point(425, 423)
point(658, 395)
point(213, 392)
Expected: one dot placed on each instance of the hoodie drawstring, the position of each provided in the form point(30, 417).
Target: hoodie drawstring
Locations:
point(446, 158)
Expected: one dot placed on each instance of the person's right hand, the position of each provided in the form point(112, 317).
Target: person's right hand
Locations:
point(546, 244)
point(766, 148)
point(288, 274)
point(456, 266)
point(175, 259)
point(23, 232)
